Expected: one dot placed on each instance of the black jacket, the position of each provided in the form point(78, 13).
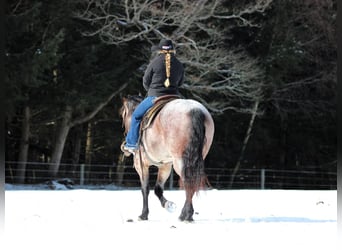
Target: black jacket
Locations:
point(155, 76)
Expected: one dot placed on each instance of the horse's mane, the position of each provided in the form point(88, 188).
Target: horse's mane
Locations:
point(135, 98)
point(133, 101)
point(129, 104)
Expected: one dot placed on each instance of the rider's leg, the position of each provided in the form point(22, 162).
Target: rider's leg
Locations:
point(133, 133)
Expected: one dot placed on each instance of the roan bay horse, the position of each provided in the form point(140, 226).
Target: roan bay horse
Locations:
point(180, 136)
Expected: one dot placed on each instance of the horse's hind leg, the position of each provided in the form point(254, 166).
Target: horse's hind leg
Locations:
point(188, 210)
point(163, 174)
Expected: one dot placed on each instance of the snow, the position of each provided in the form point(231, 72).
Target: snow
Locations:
point(224, 219)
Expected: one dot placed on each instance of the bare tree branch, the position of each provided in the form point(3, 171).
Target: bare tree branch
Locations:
point(98, 108)
point(199, 41)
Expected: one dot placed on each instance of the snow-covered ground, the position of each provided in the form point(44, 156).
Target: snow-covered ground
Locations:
point(224, 219)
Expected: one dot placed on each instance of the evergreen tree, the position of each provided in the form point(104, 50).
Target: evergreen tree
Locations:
point(63, 77)
point(31, 55)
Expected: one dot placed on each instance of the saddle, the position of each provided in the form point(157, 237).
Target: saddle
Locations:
point(159, 103)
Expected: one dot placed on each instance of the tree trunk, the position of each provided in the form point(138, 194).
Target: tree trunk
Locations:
point(283, 147)
point(67, 123)
point(24, 146)
point(88, 149)
point(61, 137)
point(77, 149)
point(245, 142)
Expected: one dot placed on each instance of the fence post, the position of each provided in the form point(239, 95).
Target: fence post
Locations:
point(262, 181)
point(82, 174)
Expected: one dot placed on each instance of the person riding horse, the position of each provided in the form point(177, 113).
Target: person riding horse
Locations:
point(163, 76)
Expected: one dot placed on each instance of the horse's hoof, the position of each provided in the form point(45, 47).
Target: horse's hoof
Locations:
point(170, 206)
point(186, 220)
point(189, 221)
point(141, 218)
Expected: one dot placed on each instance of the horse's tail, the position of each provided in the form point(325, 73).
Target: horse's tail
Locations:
point(193, 168)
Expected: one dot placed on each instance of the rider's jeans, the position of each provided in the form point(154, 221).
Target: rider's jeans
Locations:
point(133, 133)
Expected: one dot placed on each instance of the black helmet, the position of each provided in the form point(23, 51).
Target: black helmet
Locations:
point(165, 44)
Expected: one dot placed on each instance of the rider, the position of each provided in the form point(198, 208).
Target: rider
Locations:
point(163, 76)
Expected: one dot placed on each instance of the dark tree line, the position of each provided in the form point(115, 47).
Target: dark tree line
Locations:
point(265, 69)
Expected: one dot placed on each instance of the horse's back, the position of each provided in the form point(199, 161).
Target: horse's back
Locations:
point(173, 125)
point(180, 109)
point(183, 106)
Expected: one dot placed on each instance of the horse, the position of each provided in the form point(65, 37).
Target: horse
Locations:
point(180, 136)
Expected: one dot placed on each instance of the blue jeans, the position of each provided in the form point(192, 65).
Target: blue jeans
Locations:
point(133, 133)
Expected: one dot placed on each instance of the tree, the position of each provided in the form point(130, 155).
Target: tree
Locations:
point(301, 68)
point(67, 123)
point(265, 69)
point(30, 58)
point(198, 29)
point(64, 79)
point(24, 146)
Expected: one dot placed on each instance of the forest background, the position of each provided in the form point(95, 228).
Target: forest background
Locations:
point(265, 69)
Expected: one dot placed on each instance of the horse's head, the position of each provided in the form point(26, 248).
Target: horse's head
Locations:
point(128, 106)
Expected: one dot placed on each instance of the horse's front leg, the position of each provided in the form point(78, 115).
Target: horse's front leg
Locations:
point(145, 190)
point(163, 174)
point(143, 172)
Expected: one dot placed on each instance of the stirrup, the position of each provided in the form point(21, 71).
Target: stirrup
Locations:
point(126, 150)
